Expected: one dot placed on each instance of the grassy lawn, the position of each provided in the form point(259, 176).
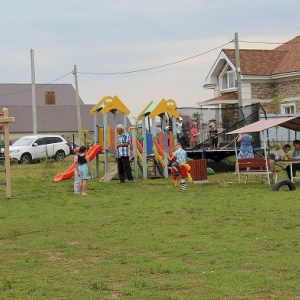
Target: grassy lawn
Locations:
point(147, 240)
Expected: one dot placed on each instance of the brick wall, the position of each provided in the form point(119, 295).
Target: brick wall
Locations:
point(262, 90)
point(286, 89)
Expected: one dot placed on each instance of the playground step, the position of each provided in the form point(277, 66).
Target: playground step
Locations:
point(154, 169)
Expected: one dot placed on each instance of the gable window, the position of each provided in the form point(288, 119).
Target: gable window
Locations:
point(288, 109)
point(228, 79)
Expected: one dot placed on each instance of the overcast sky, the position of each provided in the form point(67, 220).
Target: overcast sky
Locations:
point(139, 50)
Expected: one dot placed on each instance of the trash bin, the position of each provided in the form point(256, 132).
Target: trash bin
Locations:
point(198, 170)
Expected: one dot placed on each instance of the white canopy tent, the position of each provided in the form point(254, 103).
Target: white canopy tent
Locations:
point(262, 126)
point(259, 126)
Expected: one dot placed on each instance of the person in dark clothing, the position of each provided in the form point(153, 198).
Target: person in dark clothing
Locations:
point(213, 135)
point(84, 169)
point(295, 156)
point(123, 155)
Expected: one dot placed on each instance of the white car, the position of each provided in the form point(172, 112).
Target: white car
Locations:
point(35, 147)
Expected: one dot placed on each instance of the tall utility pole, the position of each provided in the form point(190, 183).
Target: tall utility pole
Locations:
point(77, 103)
point(238, 72)
point(34, 114)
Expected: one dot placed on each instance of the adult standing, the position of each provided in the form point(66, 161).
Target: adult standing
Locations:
point(123, 154)
point(295, 156)
point(179, 130)
point(246, 149)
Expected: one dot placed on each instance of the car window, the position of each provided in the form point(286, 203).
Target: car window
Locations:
point(40, 141)
point(49, 140)
point(57, 139)
point(53, 139)
point(24, 141)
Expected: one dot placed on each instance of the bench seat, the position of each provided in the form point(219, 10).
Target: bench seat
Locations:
point(255, 166)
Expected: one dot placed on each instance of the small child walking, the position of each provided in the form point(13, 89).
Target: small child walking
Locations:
point(84, 169)
point(76, 172)
point(180, 156)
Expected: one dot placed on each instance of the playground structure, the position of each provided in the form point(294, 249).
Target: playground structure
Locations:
point(158, 139)
point(153, 141)
point(5, 120)
point(106, 136)
point(150, 147)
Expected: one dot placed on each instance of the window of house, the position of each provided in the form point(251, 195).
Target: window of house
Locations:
point(288, 109)
point(228, 79)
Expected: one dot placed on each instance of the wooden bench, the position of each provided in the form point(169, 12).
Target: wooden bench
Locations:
point(255, 166)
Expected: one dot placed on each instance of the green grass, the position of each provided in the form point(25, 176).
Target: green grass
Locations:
point(147, 240)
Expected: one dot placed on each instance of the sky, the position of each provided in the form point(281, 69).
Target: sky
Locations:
point(138, 50)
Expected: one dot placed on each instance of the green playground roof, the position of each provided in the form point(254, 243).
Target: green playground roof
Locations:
point(149, 108)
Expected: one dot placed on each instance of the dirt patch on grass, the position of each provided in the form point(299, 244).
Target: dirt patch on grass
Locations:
point(115, 286)
point(54, 256)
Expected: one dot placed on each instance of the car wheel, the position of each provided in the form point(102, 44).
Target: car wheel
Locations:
point(60, 155)
point(26, 158)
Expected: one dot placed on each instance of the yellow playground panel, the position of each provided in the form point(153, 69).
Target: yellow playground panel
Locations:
point(106, 136)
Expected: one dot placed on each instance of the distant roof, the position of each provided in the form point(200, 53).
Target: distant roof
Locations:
point(283, 59)
point(50, 118)
point(288, 122)
point(61, 116)
point(56, 119)
point(13, 94)
point(225, 96)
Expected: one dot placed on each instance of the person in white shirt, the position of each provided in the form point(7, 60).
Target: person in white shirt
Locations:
point(280, 154)
point(179, 130)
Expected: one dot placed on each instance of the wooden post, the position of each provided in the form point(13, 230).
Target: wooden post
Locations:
point(5, 120)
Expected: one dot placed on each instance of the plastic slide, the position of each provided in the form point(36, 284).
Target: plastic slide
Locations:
point(93, 151)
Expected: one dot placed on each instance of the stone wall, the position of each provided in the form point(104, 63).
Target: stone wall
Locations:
point(262, 90)
point(286, 89)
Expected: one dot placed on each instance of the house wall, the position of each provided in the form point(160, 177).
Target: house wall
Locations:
point(246, 93)
point(284, 89)
point(262, 90)
point(288, 90)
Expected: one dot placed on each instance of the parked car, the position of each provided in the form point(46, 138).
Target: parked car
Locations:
point(36, 147)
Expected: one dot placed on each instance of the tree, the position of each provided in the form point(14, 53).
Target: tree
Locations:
point(198, 117)
point(86, 138)
point(276, 102)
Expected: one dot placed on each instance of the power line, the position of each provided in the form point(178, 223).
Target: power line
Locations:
point(156, 67)
point(150, 68)
point(38, 87)
point(271, 43)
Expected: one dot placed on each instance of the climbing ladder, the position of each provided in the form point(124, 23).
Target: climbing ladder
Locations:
point(154, 168)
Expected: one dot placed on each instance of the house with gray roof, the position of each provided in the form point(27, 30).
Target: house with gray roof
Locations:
point(56, 110)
